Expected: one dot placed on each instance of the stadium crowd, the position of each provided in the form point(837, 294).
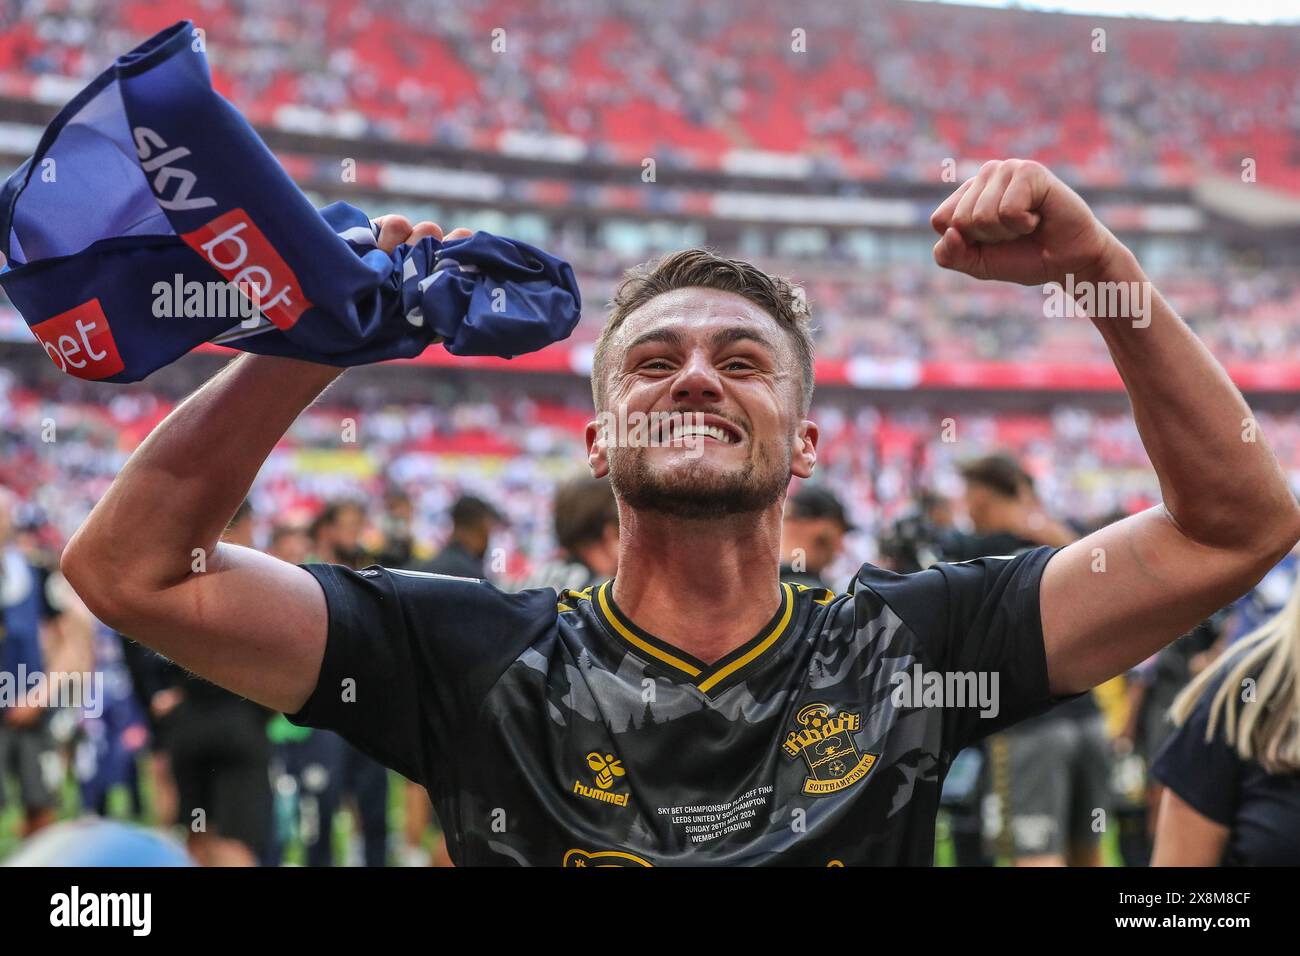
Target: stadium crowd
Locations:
point(60, 451)
point(912, 311)
point(639, 79)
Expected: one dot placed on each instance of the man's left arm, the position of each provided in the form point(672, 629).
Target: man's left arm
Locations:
point(1113, 598)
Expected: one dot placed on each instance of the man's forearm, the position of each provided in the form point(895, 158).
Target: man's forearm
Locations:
point(180, 488)
point(1218, 477)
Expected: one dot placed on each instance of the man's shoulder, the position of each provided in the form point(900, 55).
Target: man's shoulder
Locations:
point(883, 583)
point(439, 587)
point(431, 601)
point(926, 596)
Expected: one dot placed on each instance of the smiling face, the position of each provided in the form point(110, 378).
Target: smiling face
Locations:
point(726, 372)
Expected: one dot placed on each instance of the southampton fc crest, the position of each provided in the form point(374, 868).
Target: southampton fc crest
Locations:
point(825, 741)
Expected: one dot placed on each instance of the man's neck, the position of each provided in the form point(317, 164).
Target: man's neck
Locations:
point(706, 587)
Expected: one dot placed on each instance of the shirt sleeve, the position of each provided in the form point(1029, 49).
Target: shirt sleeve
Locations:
point(1206, 774)
point(978, 619)
point(410, 655)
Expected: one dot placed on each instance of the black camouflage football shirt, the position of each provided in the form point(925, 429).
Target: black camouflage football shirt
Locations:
point(555, 732)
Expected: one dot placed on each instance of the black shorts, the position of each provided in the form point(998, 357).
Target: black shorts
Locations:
point(220, 759)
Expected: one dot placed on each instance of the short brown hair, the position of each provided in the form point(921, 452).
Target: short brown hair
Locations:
point(700, 268)
point(584, 508)
point(1000, 473)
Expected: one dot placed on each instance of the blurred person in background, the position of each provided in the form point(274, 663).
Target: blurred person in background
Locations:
point(73, 643)
point(29, 752)
point(102, 735)
point(155, 680)
point(473, 521)
point(585, 520)
point(813, 527)
point(1004, 511)
point(112, 740)
point(921, 536)
point(337, 534)
point(1155, 684)
point(1049, 774)
point(289, 542)
point(396, 542)
point(1247, 614)
point(1231, 768)
point(329, 770)
point(220, 756)
point(586, 529)
point(295, 813)
point(1151, 689)
point(998, 503)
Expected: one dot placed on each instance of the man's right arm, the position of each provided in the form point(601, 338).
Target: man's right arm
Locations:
point(246, 621)
point(249, 622)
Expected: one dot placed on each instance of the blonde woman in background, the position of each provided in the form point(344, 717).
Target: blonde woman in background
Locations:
point(1232, 767)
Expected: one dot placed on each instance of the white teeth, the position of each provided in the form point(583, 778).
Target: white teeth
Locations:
point(708, 431)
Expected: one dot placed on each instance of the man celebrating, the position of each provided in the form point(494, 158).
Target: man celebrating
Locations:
point(695, 709)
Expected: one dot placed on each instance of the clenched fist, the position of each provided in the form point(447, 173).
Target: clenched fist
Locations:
point(1016, 222)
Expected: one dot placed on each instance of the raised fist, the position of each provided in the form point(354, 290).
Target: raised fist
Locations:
point(1016, 222)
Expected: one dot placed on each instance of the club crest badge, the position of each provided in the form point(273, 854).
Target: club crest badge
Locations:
point(825, 741)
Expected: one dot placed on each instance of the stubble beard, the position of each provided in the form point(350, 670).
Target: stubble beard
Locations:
point(696, 491)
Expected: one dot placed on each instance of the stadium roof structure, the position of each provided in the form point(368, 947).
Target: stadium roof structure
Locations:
point(1249, 203)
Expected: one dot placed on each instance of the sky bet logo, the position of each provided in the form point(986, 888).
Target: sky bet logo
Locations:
point(230, 243)
point(79, 342)
point(239, 251)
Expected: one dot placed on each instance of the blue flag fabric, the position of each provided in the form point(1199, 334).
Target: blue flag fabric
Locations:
point(150, 201)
